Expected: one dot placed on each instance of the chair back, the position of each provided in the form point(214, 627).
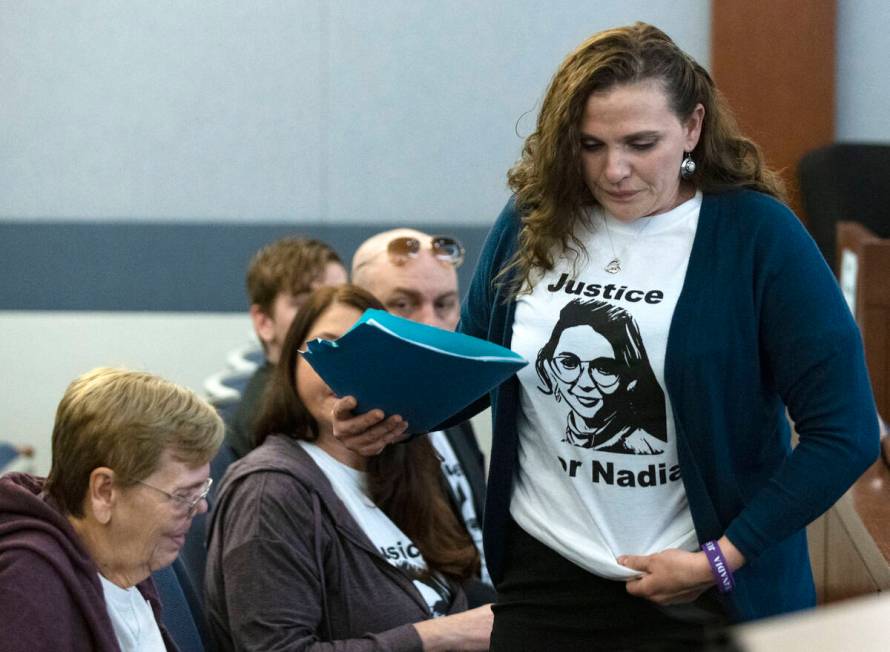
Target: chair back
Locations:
point(194, 552)
point(181, 613)
point(845, 182)
point(226, 385)
point(8, 453)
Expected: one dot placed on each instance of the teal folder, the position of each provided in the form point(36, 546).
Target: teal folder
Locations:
point(423, 373)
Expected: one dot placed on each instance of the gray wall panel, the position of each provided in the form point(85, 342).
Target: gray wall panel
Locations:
point(156, 266)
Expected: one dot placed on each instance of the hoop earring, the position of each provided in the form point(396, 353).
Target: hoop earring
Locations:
point(687, 167)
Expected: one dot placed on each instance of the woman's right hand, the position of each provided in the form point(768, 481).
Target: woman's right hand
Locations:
point(369, 433)
point(469, 630)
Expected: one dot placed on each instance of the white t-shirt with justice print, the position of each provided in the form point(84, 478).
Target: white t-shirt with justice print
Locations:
point(463, 493)
point(350, 485)
point(598, 473)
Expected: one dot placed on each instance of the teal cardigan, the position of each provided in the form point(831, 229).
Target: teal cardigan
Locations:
point(760, 326)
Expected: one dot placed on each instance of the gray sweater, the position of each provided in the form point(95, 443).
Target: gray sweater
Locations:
point(288, 568)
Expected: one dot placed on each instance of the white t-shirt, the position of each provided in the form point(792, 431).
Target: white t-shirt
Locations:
point(462, 490)
point(598, 472)
point(350, 485)
point(132, 619)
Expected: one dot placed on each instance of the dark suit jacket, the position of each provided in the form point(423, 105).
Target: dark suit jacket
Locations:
point(463, 441)
point(239, 432)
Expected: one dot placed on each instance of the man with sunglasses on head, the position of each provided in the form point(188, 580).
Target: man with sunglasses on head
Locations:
point(414, 276)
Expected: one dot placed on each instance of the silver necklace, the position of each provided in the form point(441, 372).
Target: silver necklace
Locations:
point(614, 265)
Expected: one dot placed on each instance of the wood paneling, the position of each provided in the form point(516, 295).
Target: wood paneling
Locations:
point(850, 544)
point(817, 533)
point(871, 503)
point(847, 574)
point(774, 60)
point(872, 303)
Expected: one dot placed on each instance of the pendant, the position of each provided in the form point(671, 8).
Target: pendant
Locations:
point(613, 267)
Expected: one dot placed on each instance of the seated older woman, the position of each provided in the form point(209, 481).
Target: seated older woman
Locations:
point(130, 469)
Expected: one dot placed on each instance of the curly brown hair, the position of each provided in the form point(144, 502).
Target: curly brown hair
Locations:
point(548, 180)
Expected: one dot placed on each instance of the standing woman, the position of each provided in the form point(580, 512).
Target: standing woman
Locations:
point(637, 189)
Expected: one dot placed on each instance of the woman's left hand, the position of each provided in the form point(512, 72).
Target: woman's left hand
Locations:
point(368, 433)
point(669, 577)
point(677, 576)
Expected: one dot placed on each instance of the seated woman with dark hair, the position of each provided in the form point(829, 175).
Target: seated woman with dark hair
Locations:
point(130, 469)
point(313, 546)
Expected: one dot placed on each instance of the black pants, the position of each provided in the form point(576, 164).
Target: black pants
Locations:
point(546, 602)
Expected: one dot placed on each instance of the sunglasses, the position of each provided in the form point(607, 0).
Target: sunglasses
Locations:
point(448, 250)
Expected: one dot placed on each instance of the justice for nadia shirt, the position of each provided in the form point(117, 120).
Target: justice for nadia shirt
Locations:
point(350, 485)
point(463, 494)
point(598, 473)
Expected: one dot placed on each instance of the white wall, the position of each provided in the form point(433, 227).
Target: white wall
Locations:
point(303, 110)
point(282, 110)
point(43, 351)
point(863, 85)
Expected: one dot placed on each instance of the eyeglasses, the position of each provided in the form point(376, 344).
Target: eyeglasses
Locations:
point(603, 371)
point(446, 249)
point(188, 505)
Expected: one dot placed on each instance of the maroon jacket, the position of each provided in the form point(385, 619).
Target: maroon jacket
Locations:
point(50, 594)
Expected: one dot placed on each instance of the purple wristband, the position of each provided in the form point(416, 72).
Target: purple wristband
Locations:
point(719, 566)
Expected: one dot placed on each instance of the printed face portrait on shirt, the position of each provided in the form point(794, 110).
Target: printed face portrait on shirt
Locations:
point(596, 362)
point(585, 369)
